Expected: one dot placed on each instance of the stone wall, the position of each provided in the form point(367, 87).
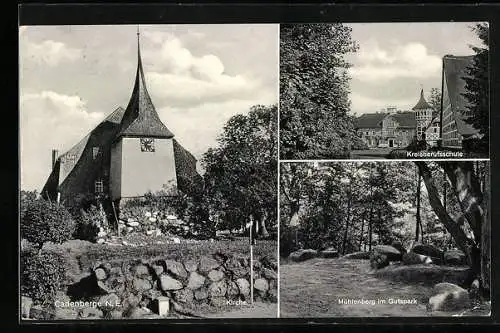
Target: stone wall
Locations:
point(133, 288)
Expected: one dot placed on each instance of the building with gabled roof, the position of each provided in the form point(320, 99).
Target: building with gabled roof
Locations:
point(455, 130)
point(131, 152)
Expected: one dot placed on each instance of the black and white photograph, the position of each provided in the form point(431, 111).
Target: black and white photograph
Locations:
point(148, 171)
point(385, 239)
point(384, 90)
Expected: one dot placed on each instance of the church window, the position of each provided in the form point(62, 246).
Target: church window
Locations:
point(95, 152)
point(99, 186)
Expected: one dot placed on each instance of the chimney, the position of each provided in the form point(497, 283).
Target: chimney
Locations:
point(55, 155)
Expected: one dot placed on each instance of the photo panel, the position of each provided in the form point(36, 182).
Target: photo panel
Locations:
point(149, 171)
point(384, 90)
point(385, 239)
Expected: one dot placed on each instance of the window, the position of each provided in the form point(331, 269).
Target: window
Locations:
point(95, 152)
point(147, 145)
point(99, 186)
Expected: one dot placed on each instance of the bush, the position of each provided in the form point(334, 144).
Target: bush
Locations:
point(288, 242)
point(378, 260)
point(42, 275)
point(88, 224)
point(43, 221)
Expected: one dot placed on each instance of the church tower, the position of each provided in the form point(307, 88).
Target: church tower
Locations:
point(142, 152)
point(423, 116)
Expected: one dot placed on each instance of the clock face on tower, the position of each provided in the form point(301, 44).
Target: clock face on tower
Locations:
point(147, 144)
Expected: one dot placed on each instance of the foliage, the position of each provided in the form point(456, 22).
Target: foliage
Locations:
point(88, 223)
point(314, 104)
point(43, 221)
point(435, 100)
point(42, 275)
point(240, 177)
point(477, 86)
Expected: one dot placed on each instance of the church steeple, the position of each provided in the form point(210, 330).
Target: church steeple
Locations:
point(140, 118)
point(422, 103)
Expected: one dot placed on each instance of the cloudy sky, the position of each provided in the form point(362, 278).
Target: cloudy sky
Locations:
point(71, 77)
point(395, 60)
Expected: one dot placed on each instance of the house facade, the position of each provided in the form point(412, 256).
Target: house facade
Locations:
point(130, 153)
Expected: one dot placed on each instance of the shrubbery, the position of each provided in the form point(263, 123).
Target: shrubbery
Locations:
point(43, 221)
point(42, 274)
point(288, 242)
point(88, 224)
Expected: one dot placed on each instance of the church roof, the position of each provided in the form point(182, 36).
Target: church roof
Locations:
point(369, 120)
point(454, 69)
point(405, 119)
point(422, 103)
point(140, 117)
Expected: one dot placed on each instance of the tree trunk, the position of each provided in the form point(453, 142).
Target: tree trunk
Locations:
point(370, 231)
point(348, 216)
point(417, 231)
point(263, 233)
point(362, 230)
point(486, 234)
point(466, 244)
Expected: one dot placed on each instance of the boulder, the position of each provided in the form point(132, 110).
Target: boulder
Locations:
point(412, 258)
point(243, 286)
point(357, 255)
point(131, 301)
point(329, 253)
point(176, 269)
point(399, 246)
point(66, 313)
point(269, 274)
point(378, 260)
point(455, 258)
point(184, 295)
point(195, 281)
point(237, 266)
point(142, 285)
point(109, 301)
point(191, 265)
point(391, 252)
point(428, 250)
point(138, 312)
point(218, 289)
point(169, 283)
point(218, 301)
point(448, 297)
point(215, 275)
point(100, 273)
point(201, 294)
point(261, 285)
point(232, 289)
point(141, 270)
point(302, 255)
point(207, 264)
point(91, 312)
point(158, 269)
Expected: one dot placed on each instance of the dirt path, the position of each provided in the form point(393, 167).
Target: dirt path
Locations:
point(313, 289)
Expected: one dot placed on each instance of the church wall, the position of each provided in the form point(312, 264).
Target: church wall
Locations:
point(146, 171)
point(115, 171)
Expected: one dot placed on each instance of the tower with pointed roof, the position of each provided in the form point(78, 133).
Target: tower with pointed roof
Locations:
point(423, 115)
point(142, 152)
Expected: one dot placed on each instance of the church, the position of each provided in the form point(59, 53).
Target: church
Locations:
point(130, 153)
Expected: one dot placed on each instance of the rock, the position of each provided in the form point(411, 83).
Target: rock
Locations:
point(237, 266)
point(218, 289)
point(101, 241)
point(26, 304)
point(218, 301)
point(131, 301)
point(110, 301)
point(176, 268)
point(273, 295)
point(115, 271)
point(302, 255)
point(449, 301)
point(392, 253)
point(215, 275)
point(130, 220)
point(428, 250)
point(65, 313)
point(195, 281)
point(261, 285)
point(378, 260)
point(141, 270)
point(399, 246)
point(232, 289)
point(329, 253)
point(455, 258)
point(138, 312)
point(115, 314)
point(184, 295)
point(133, 224)
point(176, 240)
point(149, 232)
point(100, 273)
point(357, 255)
point(158, 269)
point(129, 229)
point(201, 294)
point(169, 283)
point(91, 312)
point(445, 287)
point(412, 258)
point(152, 219)
point(147, 214)
point(269, 274)
point(191, 265)
point(101, 234)
point(38, 312)
point(207, 264)
point(243, 286)
point(142, 285)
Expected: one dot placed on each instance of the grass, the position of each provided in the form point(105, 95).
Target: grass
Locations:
point(313, 289)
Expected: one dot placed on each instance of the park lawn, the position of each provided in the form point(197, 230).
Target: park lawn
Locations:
point(313, 289)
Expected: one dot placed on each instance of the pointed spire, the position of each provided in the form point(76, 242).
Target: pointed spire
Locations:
point(140, 117)
point(422, 103)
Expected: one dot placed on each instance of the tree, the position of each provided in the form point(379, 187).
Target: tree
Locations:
point(314, 104)
point(477, 86)
point(241, 173)
point(435, 100)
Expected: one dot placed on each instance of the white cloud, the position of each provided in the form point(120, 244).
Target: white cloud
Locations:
point(411, 60)
point(364, 104)
point(48, 52)
point(49, 120)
